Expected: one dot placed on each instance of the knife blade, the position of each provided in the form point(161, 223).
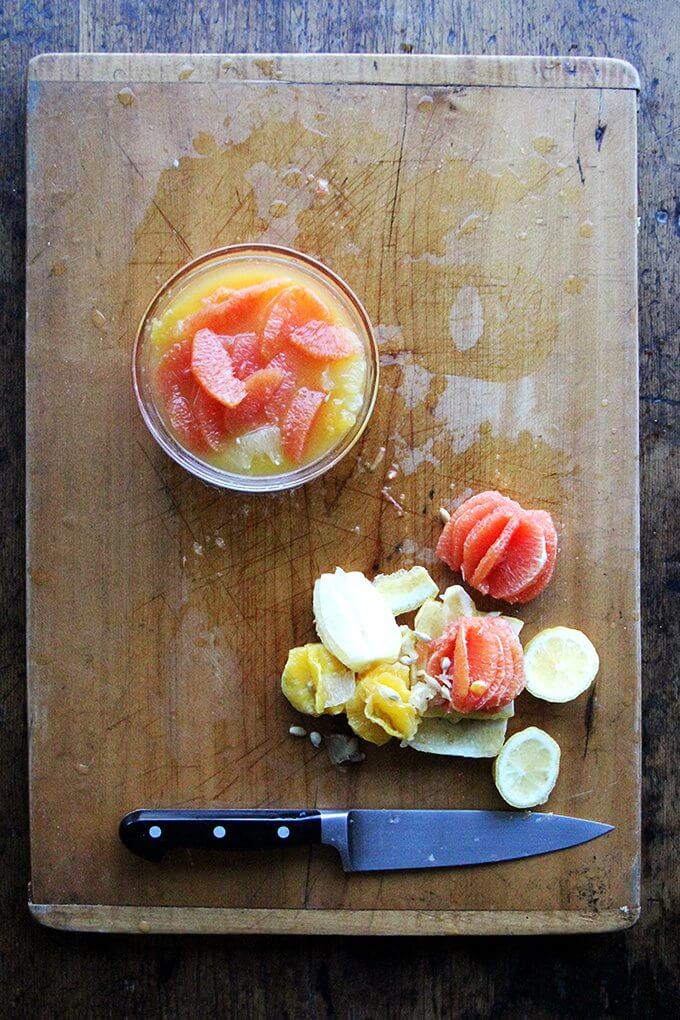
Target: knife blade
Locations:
point(367, 840)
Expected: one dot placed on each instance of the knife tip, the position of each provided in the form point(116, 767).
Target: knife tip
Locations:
point(600, 829)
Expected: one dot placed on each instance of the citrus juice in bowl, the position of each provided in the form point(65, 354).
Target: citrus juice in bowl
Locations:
point(255, 368)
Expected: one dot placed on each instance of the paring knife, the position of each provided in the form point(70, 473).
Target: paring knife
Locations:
point(366, 840)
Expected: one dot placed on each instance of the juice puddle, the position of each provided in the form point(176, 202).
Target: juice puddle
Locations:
point(295, 411)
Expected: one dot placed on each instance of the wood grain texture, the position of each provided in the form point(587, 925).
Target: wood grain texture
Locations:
point(217, 920)
point(433, 69)
point(161, 611)
point(631, 974)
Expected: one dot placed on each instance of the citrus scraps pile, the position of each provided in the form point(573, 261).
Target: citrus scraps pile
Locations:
point(447, 684)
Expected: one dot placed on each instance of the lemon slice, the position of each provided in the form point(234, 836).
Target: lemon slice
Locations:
point(560, 663)
point(526, 769)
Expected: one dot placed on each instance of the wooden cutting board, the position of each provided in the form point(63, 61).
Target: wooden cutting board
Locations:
point(484, 209)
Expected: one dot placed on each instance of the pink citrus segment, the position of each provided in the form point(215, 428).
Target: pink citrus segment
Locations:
point(486, 542)
point(447, 660)
point(486, 663)
point(542, 580)
point(184, 422)
point(482, 658)
point(501, 549)
point(213, 369)
point(244, 351)
point(451, 541)
point(460, 665)
point(209, 413)
point(177, 387)
point(510, 681)
point(497, 681)
point(242, 310)
point(261, 386)
point(174, 368)
point(277, 405)
point(519, 677)
point(291, 309)
point(522, 561)
point(324, 342)
point(194, 415)
point(298, 422)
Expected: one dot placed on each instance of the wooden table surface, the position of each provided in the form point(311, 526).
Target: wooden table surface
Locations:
point(633, 973)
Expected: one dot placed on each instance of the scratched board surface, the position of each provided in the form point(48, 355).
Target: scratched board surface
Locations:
point(485, 212)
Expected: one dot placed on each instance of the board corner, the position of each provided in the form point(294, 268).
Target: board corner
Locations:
point(44, 915)
point(625, 71)
point(41, 66)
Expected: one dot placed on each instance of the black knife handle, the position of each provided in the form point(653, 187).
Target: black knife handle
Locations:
point(151, 833)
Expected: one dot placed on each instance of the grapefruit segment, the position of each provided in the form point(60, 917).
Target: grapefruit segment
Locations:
point(208, 413)
point(174, 368)
point(298, 422)
point(278, 403)
point(242, 310)
point(260, 388)
point(497, 681)
point(486, 542)
point(244, 353)
point(178, 388)
point(324, 342)
point(265, 382)
point(213, 369)
point(543, 578)
point(193, 414)
point(461, 666)
point(451, 541)
point(510, 681)
point(523, 560)
point(483, 658)
point(290, 310)
point(183, 421)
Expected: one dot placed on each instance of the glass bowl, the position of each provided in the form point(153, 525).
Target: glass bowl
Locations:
point(210, 264)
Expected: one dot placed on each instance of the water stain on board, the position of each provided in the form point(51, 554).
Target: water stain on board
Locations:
point(399, 210)
point(204, 143)
point(399, 207)
point(495, 322)
point(206, 200)
point(526, 468)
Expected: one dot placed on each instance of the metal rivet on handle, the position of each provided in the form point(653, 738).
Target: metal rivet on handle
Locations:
point(283, 832)
point(155, 831)
point(219, 832)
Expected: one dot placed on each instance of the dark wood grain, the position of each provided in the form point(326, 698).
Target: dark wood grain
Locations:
point(630, 974)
